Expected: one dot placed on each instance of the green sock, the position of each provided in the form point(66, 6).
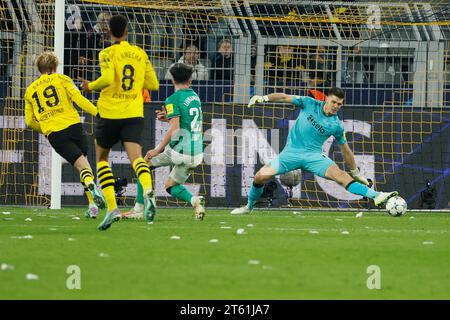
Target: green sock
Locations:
point(180, 192)
point(140, 193)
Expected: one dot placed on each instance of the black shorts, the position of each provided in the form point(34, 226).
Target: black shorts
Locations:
point(70, 143)
point(110, 131)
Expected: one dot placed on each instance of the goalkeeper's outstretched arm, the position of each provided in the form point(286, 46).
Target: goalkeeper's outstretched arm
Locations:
point(281, 97)
point(273, 97)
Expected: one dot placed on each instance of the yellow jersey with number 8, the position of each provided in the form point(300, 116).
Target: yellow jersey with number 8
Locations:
point(125, 71)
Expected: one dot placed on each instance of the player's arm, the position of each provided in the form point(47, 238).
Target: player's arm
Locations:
point(107, 74)
point(30, 119)
point(348, 155)
point(277, 97)
point(76, 96)
point(349, 159)
point(171, 113)
point(174, 127)
point(85, 104)
point(161, 115)
point(151, 81)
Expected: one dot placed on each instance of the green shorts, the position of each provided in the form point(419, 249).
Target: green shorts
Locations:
point(292, 159)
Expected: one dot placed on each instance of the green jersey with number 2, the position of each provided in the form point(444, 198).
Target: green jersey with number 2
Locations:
point(186, 105)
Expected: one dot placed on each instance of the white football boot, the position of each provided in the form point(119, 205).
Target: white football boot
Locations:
point(383, 197)
point(199, 207)
point(242, 210)
point(134, 214)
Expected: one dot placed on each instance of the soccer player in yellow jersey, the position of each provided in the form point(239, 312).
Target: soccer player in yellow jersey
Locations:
point(49, 110)
point(125, 71)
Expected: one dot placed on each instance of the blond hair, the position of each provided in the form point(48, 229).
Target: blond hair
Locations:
point(104, 17)
point(47, 62)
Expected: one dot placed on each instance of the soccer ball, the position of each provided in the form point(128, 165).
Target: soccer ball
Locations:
point(396, 206)
point(291, 178)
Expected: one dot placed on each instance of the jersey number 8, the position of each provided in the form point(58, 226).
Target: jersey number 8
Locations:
point(128, 74)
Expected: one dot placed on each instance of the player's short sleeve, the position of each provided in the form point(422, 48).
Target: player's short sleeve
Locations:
point(172, 108)
point(105, 60)
point(340, 134)
point(107, 72)
point(302, 101)
point(69, 85)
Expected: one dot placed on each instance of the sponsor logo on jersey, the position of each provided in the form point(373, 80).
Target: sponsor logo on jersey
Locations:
point(315, 124)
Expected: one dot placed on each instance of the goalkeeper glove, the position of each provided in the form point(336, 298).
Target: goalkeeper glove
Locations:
point(358, 177)
point(257, 99)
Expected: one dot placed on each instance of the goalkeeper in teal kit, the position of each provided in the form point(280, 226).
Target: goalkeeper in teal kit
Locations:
point(316, 122)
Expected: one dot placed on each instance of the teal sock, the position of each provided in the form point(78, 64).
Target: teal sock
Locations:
point(140, 193)
point(255, 193)
point(180, 192)
point(361, 189)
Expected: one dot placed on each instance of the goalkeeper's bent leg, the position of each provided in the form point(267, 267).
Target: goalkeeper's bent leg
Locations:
point(255, 193)
point(358, 188)
point(106, 180)
point(262, 176)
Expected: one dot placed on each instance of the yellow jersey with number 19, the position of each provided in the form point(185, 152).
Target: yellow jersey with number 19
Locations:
point(48, 103)
point(125, 71)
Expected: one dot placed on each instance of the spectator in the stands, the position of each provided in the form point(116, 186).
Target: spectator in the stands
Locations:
point(222, 64)
point(191, 57)
point(75, 43)
point(219, 29)
point(98, 38)
point(317, 65)
point(283, 65)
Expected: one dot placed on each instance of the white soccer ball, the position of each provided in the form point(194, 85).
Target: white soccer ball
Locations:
point(291, 179)
point(396, 206)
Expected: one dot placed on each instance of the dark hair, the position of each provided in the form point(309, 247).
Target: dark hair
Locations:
point(338, 92)
point(118, 25)
point(181, 73)
point(189, 46)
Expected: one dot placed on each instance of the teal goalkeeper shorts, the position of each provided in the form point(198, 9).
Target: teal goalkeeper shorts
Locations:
point(290, 159)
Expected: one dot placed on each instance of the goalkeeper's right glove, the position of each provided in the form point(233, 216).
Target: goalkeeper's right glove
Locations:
point(358, 177)
point(257, 99)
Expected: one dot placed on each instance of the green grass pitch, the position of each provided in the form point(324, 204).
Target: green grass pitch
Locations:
point(310, 255)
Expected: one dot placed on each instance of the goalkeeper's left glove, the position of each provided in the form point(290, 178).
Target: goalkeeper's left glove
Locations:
point(358, 177)
point(257, 99)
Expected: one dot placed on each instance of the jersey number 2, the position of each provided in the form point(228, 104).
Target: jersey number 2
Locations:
point(128, 74)
point(195, 125)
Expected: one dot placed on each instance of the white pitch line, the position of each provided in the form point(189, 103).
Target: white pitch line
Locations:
point(365, 230)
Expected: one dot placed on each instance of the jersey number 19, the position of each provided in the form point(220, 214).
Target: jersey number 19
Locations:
point(50, 94)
